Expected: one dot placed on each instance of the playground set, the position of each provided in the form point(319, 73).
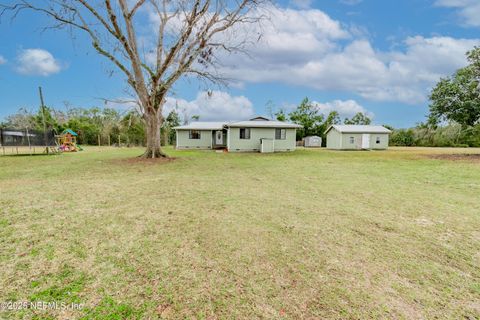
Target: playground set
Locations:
point(23, 142)
point(46, 139)
point(67, 141)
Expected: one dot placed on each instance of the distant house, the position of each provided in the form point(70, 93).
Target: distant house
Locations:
point(258, 134)
point(357, 137)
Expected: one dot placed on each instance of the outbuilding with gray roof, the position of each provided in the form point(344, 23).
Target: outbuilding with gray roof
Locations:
point(357, 137)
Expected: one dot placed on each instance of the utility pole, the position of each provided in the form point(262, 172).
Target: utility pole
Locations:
point(42, 105)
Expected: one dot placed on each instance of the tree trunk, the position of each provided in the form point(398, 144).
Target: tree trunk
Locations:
point(153, 122)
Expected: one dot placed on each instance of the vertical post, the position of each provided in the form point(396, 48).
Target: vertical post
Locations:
point(99, 140)
point(44, 122)
point(119, 141)
point(28, 138)
point(109, 140)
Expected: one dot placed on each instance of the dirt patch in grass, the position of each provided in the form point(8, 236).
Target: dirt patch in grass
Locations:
point(470, 157)
point(138, 160)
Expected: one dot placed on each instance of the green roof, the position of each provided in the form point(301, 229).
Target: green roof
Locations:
point(73, 133)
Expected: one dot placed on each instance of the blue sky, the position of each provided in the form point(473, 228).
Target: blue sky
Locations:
point(375, 56)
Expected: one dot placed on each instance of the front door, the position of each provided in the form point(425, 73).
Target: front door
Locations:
point(219, 137)
point(365, 141)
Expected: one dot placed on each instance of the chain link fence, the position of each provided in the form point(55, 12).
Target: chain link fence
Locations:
point(10, 137)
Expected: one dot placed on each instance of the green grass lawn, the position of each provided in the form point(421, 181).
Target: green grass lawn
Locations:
point(309, 234)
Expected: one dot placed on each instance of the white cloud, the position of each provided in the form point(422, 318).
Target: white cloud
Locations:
point(311, 31)
point(404, 76)
point(213, 106)
point(468, 10)
point(210, 106)
point(308, 48)
point(2, 60)
point(345, 108)
point(37, 62)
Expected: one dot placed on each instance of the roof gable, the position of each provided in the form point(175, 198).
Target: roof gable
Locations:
point(73, 133)
point(259, 118)
point(358, 129)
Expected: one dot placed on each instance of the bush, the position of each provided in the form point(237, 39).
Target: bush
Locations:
point(402, 137)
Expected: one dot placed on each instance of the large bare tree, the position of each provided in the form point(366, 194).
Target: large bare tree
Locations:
point(186, 40)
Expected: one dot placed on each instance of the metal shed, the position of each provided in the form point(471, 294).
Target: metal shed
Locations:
point(312, 142)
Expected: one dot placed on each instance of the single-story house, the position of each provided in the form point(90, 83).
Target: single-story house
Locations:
point(255, 135)
point(357, 137)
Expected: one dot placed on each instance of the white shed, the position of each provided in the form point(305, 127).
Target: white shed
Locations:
point(357, 137)
point(312, 142)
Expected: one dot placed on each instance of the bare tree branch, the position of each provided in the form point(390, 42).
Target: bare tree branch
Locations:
point(189, 36)
point(135, 8)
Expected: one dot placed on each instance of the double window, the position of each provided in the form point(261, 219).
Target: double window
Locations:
point(352, 140)
point(194, 134)
point(280, 134)
point(244, 133)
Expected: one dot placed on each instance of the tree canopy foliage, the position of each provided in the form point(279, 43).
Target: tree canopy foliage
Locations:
point(358, 119)
point(108, 125)
point(308, 116)
point(457, 98)
point(91, 124)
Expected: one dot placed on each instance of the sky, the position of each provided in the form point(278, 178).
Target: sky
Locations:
point(380, 57)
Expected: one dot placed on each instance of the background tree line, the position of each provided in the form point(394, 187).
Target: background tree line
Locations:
point(448, 135)
point(93, 125)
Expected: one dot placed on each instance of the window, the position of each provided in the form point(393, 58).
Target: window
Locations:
point(244, 133)
point(378, 140)
point(352, 140)
point(194, 134)
point(280, 134)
